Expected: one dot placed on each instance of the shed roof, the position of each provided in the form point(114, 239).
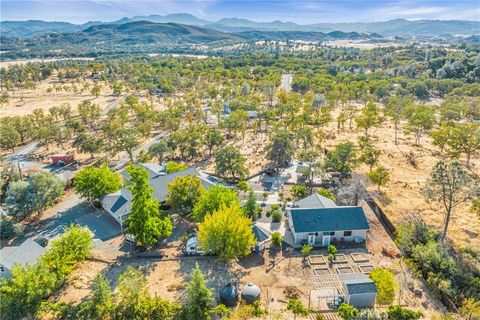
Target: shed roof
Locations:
point(260, 234)
point(328, 219)
point(358, 283)
point(28, 252)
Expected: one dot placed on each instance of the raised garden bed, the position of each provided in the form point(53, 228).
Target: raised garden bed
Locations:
point(359, 257)
point(366, 268)
point(344, 270)
point(317, 259)
point(321, 271)
point(340, 258)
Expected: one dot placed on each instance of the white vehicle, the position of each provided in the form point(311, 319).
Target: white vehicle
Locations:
point(192, 246)
point(130, 238)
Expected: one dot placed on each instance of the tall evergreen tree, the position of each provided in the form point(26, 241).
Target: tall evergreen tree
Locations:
point(145, 222)
point(198, 299)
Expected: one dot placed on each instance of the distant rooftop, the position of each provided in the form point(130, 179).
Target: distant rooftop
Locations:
point(28, 252)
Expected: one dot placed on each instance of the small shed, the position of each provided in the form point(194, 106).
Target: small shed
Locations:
point(62, 159)
point(262, 236)
point(360, 291)
point(229, 295)
point(250, 293)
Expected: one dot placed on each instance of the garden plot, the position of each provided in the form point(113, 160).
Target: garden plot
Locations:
point(366, 268)
point(321, 271)
point(359, 257)
point(317, 259)
point(340, 258)
point(344, 270)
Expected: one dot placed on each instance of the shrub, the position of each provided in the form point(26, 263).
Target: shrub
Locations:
point(277, 238)
point(327, 194)
point(386, 285)
point(275, 206)
point(400, 313)
point(331, 249)
point(276, 216)
point(306, 249)
point(348, 312)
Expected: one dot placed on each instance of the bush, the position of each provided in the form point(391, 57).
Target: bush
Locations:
point(276, 238)
point(400, 313)
point(275, 206)
point(331, 249)
point(348, 312)
point(386, 285)
point(306, 249)
point(327, 194)
point(7, 229)
point(276, 216)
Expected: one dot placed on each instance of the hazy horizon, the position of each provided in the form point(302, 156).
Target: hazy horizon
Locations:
point(300, 12)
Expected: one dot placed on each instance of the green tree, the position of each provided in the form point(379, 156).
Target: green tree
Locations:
point(394, 109)
point(9, 137)
point(342, 159)
point(198, 297)
point(89, 144)
point(297, 308)
point(93, 182)
point(132, 294)
point(299, 191)
point(348, 312)
point(145, 222)
point(7, 229)
point(159, 150)
point(251, 206)
point(281, 149)
point(327, 194)
point(449, 184)
point(306, 249)
point(100, 304)
point(369, 117)
point(368, 154)
point(41, 191)
point(226, 232)
point(213, 138)
point(172, 166)
point(212, 199)
point(89, 113)
point(183, 193)
point(420, 119)
point(230, 163)
point(386, 285)
point(470, 308)
point(380, 176)
point(126, 139)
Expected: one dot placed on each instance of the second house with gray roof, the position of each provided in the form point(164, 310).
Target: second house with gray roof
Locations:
point(117, 204)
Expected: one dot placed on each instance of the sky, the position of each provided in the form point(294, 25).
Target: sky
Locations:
point(302, 12)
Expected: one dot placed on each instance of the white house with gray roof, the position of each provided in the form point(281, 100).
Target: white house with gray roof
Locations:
point(318, 221)
point(117, 204)
point(28, 252)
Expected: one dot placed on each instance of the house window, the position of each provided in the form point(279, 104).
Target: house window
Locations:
point(2, 269)
point(329, 233)
point(347, 233)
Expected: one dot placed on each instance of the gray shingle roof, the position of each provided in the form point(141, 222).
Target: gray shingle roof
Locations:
point(119, 202)
point(315, 201)
point(358, 283)
point(328, 219)
point(28, 252)
point(260, 234)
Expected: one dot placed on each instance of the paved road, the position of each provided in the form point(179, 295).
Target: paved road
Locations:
point(286, 82)
point(73, 210)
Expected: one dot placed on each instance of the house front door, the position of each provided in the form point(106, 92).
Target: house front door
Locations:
point(311, 239)
point(326, 241)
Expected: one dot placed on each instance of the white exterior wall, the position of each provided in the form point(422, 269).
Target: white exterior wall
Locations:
point(303, 236)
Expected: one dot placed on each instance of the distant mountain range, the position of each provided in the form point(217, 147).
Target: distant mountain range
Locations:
point(398, 27)
point(146, 33)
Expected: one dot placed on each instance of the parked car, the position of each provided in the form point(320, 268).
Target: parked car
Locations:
point(191, 247)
